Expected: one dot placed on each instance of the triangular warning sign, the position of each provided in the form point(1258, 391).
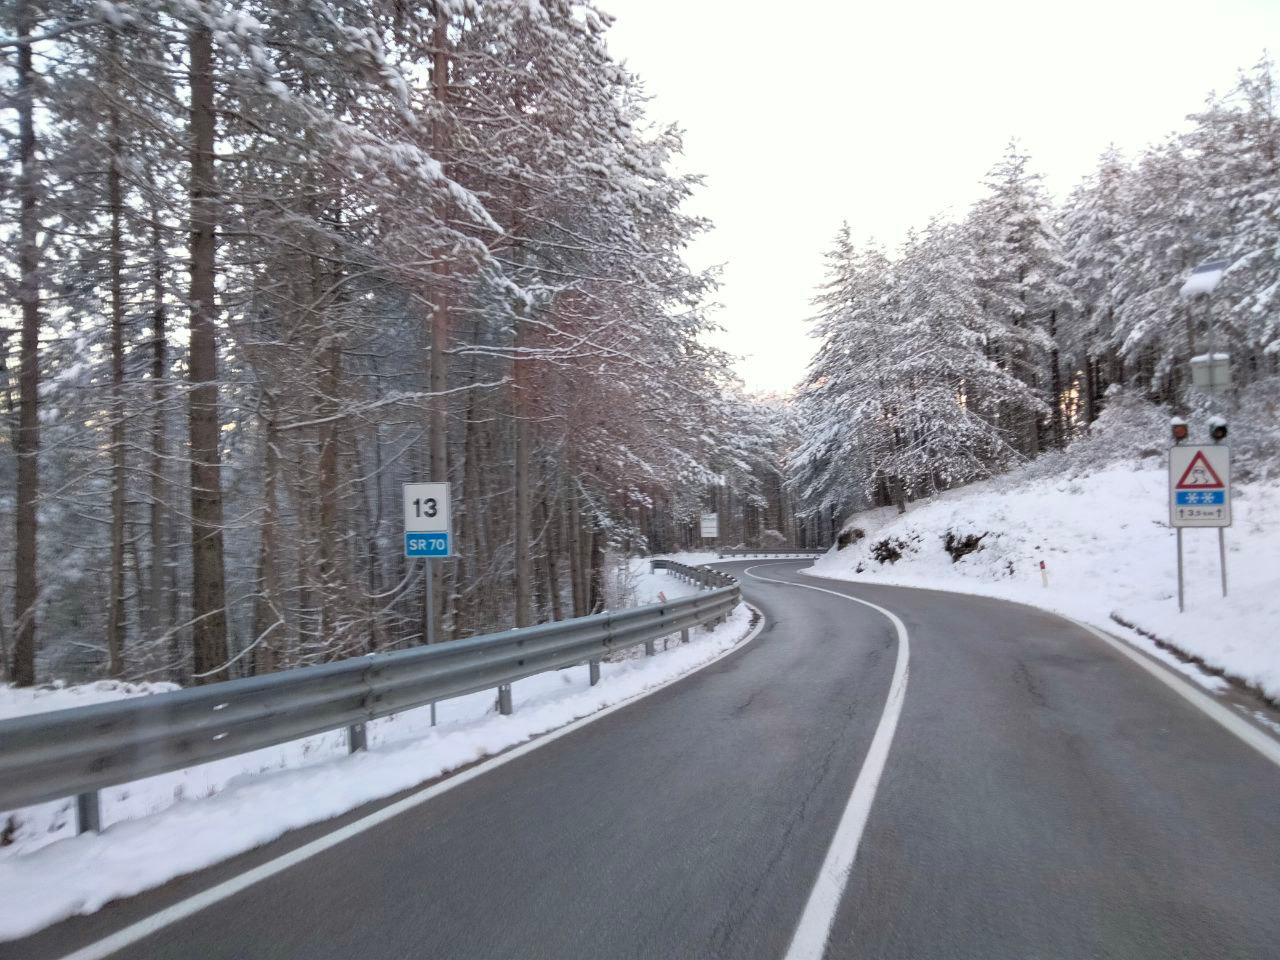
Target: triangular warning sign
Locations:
point(1200, 475)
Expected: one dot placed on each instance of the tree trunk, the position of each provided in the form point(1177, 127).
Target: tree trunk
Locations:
point(266, 606)
point(26, 584)
point(163, 571)
point(439, 371)
point(208, 590)
point(1055, 383)
point(597, 539)
point(552, 527)
point(524, 615)
point(333, 605)
point(576, 575)
point(115, 203)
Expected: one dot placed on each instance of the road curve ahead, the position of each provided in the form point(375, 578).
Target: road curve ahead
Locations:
point(1041, 797)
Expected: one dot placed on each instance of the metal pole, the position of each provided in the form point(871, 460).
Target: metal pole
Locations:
point(431, 622)
point(505, 707)
point(356, 738)
point(1180, 570)
point(594, 672)
point(88, 812)
point(1222, 557)
point(431, 606)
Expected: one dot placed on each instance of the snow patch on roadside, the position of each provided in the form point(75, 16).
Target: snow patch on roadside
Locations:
point(1108, 548)
point(169, 825)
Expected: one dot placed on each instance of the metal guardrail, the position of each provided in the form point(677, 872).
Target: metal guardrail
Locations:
point(79, 751)
point(770, 552)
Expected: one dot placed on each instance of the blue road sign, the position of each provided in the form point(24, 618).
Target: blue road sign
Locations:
point(1196, 498)
point(426, 544)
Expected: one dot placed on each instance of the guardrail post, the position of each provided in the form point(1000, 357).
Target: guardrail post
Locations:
point(357, 737)
point(684, 634)
point(505, 707)
point(88, 812)
point(593, 671)
point(649, 648)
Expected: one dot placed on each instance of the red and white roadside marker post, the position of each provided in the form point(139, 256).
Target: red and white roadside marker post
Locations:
point(1044, 575)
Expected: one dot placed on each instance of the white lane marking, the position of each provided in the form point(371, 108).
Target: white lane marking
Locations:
point(1256, 738)
point(809, 942)
point(1243, 729)
point(228, 888)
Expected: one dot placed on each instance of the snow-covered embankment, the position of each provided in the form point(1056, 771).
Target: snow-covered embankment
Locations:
point(1109, 556)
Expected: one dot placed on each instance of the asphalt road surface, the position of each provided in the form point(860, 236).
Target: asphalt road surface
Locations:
point(1042, 797)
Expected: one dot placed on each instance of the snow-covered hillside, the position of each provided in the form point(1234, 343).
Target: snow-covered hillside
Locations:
point(1109, 555)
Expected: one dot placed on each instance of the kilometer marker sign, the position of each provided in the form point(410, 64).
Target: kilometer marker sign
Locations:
point(427, 520)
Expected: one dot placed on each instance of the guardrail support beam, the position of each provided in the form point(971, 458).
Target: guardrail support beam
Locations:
point(505, 706)
point(593, 671)
point(357, 738)
point(88, 812)
point(649, 648)
point(684, 634)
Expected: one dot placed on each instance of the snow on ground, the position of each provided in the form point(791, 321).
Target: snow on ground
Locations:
point(1108, 548)
point(165, 826)
point(59, 696)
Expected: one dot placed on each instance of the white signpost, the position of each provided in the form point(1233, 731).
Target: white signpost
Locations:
point(710, 526)
point(427, 520)
point(1200, 496)
point(428, 533)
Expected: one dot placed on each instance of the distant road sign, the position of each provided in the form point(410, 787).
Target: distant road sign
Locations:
point(710, 526)
point(1200, 486)
point(427, 520)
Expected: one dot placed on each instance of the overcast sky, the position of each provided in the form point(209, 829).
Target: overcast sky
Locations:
point(805, 114)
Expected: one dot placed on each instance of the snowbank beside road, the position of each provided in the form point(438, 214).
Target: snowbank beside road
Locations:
point(1108, 549)
point(165, 826)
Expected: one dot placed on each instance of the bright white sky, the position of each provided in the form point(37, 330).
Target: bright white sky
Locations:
point(808, 113)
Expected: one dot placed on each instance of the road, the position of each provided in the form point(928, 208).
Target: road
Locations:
point(1042, 797)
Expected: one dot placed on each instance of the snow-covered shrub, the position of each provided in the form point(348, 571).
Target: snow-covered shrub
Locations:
point(619, 581)
point(891, 549)
point(962, 545)
point(773, 539)
point(851, 535)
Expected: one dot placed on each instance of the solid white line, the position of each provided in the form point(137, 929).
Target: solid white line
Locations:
point(1258, 739)
point(809, 941)
point(1243, 729)
point(229, 888)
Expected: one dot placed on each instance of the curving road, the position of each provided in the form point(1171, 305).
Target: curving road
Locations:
point(1041, 797)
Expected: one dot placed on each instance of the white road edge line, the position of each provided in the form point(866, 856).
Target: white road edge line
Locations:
point(1247, 732)
point(809, 942)
point(228, 888)
point(1243, 729)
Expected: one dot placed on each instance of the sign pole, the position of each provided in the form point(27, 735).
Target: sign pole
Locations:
point(431, 621)
point(1222, 557)
point(1180, 570)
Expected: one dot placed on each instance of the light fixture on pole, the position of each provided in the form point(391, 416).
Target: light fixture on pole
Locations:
point(1210, 372)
